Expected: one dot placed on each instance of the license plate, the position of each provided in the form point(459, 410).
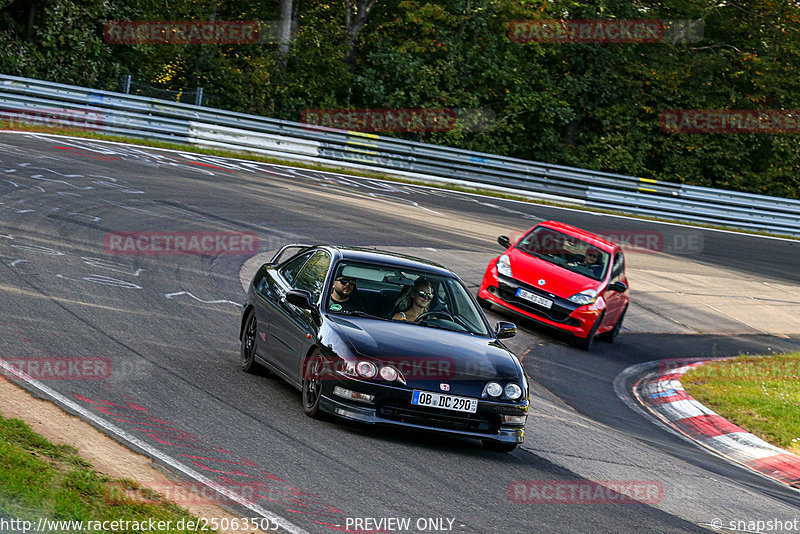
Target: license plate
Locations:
point(446, 402)
point(536, 299)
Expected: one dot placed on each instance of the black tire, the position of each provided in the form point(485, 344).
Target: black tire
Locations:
point(248, 352)
point(498, 446)
point(312, 384)
point(587, 342)
point(612, 334)
point(485, 304)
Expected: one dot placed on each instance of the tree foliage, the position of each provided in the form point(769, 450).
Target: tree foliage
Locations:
point(585, 104)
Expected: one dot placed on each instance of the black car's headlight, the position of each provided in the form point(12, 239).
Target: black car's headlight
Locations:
point(388, 373)
point(366, 369)
point(493, 389)
point(513, 391)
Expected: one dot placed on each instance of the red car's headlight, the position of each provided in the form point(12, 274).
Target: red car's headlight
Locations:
point(587, 296)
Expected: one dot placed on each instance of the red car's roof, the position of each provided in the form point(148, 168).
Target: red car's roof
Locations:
point(594, 239)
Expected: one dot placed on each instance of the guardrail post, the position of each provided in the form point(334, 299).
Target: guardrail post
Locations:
point(198, 97)
point(126, 85)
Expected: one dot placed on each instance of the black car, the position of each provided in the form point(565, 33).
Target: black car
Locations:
point(447, 371)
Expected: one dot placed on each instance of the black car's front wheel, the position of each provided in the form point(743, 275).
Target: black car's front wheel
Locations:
point(313, 375)
point(499, 446)
point(249, 364)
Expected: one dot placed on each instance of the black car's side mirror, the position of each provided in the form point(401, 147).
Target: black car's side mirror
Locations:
point(302, 299)
point(505, 330)
point(504, 241)
point(619, 287)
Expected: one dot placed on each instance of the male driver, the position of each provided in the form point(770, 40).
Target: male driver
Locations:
point(345, 296)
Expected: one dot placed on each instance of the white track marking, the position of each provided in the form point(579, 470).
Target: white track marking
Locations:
point(222, 301)
point(104, 280)
point(92, 218)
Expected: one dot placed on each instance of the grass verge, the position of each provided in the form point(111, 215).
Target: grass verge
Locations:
point(7, 125)
point(759, 393)
point(39, 479)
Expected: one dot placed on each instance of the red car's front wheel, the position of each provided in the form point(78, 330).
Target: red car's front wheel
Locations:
point(586, 343)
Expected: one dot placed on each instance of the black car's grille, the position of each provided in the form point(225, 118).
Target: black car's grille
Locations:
point(559, 312)
point(469, 422)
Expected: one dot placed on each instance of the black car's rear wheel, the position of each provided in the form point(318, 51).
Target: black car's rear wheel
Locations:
point(499, 446)
point(249, 364)
point(313, 375)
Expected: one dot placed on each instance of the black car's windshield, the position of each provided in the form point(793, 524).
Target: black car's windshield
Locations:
point(389, 293)
point(565, 251)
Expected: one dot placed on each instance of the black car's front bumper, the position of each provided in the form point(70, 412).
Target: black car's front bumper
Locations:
point(392, 407)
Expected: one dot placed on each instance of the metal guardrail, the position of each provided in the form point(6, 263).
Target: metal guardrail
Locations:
point(136, 116)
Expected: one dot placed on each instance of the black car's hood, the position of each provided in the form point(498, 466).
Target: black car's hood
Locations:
point(427, 352)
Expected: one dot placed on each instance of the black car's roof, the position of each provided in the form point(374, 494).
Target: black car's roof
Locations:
point(383, 257)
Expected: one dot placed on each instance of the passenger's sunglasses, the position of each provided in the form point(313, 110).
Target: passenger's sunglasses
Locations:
point(346, 281)
point(425, 294)
point(592, 255)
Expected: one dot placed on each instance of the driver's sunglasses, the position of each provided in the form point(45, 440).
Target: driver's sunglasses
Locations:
point(346, 281)
point(425, 294)
point(592, 255)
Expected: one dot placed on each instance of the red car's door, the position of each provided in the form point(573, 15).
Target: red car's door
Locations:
point(615, 301)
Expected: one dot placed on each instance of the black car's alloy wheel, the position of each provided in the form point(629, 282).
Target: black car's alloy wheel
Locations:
point(312, 384)
point(249, 364)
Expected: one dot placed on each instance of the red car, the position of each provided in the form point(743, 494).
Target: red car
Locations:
point(561, 276)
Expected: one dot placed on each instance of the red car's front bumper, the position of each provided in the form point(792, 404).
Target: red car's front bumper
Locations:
point(564, 315)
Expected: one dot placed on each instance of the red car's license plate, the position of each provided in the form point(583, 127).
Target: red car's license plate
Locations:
point(536, 299)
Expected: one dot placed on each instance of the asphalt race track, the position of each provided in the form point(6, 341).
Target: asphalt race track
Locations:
point(162, 333)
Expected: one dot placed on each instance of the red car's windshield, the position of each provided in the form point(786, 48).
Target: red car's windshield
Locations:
point(565, 251)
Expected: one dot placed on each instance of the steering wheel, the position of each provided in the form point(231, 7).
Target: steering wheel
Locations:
point(436, 312)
